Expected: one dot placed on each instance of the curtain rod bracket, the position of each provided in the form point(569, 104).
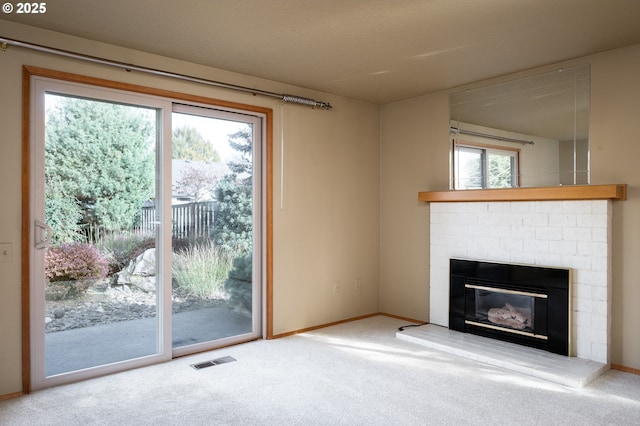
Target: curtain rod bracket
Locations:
point(293, 99)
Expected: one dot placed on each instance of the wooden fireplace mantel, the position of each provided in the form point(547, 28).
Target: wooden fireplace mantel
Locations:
point(550, 193)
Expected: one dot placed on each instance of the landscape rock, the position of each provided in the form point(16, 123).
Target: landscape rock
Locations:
point(141, 272)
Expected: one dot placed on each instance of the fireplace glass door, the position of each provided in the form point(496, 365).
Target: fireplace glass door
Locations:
point(509, 309)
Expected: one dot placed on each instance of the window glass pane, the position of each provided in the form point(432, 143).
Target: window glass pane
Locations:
point(469, 174)
point(101, 275)
point(501, 170)
point(212, 213)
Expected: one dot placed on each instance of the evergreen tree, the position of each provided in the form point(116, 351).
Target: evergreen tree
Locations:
point(189, 144)
point(100, 155)
point(233, 218)
point(233, 221)
point(63, 213)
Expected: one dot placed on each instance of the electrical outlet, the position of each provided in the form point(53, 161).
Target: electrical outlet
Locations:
point(336, 286)
point(6, 250)
point(358, 285)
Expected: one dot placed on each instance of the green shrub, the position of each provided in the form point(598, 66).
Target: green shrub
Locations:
point(201, 271)
point(239, 285)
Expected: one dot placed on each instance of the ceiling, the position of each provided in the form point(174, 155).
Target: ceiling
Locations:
point(374, 50)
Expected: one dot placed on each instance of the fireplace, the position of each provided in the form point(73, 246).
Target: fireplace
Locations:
point(527, 305)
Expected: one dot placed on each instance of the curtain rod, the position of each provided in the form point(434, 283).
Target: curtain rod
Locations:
point(287, 98)
point(485, 135)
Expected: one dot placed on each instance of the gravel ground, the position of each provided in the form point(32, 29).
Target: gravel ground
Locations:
point(111, 304)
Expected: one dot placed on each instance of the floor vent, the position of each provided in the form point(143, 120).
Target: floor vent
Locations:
point(205, 364)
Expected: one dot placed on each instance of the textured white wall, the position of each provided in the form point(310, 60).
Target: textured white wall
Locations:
point(567, 234)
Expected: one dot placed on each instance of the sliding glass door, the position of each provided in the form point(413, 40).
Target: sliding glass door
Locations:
point(146, 223)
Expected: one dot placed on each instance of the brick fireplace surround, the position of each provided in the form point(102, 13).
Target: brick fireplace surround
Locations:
point(557, 227)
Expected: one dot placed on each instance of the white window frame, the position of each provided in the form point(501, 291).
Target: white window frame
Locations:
point(485, 151)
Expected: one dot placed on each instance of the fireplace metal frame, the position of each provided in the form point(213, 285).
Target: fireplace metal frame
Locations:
point(551, 287)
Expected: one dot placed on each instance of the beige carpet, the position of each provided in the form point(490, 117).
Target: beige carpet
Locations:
point(356, 373)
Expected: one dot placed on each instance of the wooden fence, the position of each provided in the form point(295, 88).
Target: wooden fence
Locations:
point(191, 220)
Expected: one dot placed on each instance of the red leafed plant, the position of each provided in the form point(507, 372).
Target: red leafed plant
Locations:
point(75, 261)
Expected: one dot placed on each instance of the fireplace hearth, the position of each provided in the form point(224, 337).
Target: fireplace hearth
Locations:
point(527, 305)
